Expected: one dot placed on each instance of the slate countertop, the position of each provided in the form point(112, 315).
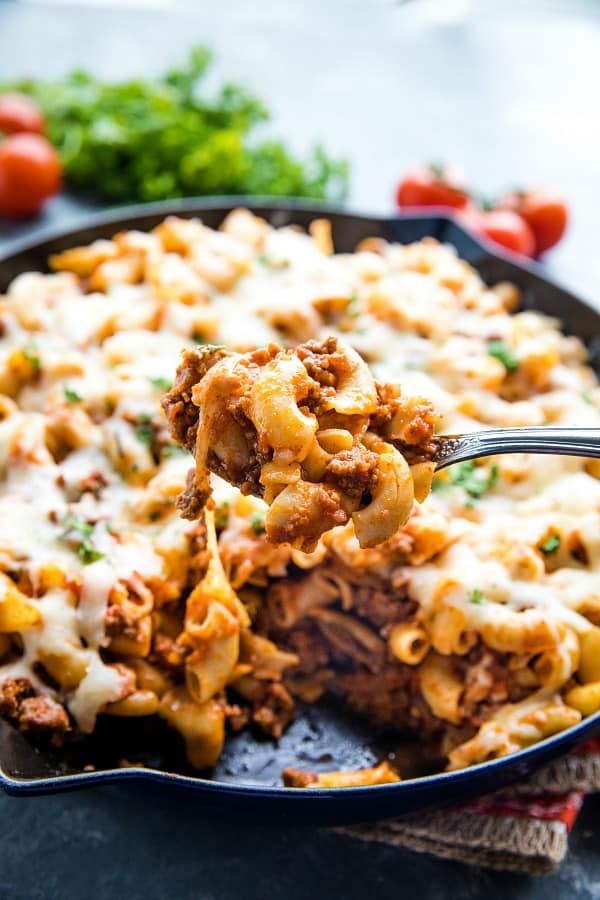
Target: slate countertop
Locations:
point(505, 92)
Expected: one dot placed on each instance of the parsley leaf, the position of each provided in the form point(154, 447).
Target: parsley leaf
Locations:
point(271, 263)
point(85, 548)
point(551, 544)
point(171, 450)
point(353, 307)
point(160, 384)
point(71, 395)
point(257, 523)
point(475, 480)
point(222, 515)
point(144, 430)
point(586, 395)
point(477, 597)
point(30, 352)
point(88, 553)
point(504, 354)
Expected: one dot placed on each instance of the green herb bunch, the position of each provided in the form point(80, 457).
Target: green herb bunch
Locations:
point(146, 140)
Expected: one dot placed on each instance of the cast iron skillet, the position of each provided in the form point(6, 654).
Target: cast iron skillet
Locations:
point(322, 737)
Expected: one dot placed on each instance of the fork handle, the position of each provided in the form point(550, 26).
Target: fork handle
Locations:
point(451, 449)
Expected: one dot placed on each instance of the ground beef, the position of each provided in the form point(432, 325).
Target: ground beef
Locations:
point(181, 412)
point(390, 698)
point(308, 522)
point(43, 714)
point(383, 605)
point(354, 472)
point(166, 652)
point(192, 500)
point(323, 362)
point(311, 647)
point(272, 709)
point(31, 712)
point(12, 693)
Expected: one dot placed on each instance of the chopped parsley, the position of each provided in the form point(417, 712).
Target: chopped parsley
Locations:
point(222, 515)
point(504, 354)
point(586, 395)
point(171, 450)
point(477, 597)
point(71, 395)
point(199, 338)
point(353, 307)
point(85, 550)
point(160, 384)
point(551, 544)
point(257, 523)
point(144, 430)
point(30, 352)
point(271, 263)
point(475, 480)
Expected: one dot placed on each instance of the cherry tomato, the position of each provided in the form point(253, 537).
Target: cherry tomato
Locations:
point(508, 229)
point(432, 186)
point(18, 112)
point(30, 173)
point(545, 212)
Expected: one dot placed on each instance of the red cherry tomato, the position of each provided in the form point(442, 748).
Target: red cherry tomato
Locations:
point(432, 186)
point(508, 229)
point(18, 112)
point(30, 173)
point(545, 212)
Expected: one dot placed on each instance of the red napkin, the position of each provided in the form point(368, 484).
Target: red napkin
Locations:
point(524, 828)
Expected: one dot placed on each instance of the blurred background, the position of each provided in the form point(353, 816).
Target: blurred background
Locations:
point(507, 91)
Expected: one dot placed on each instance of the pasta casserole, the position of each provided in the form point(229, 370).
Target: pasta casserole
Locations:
point(302, 567)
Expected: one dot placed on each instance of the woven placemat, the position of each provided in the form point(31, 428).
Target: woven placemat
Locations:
point(525, 828)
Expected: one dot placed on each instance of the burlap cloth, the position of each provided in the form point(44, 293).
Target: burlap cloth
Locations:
point(525, 828)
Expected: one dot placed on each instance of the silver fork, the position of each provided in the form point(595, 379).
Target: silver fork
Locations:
point(453, 448)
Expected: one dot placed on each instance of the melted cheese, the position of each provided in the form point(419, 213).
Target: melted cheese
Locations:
point(417, 314)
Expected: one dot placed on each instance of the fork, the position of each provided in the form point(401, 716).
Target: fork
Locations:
point(448, 449)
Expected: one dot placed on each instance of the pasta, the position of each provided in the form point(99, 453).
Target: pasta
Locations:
point(308, 430)
point(471, 615)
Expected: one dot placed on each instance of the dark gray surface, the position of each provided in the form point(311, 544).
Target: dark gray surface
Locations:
point(125, 843)
point(504, 91)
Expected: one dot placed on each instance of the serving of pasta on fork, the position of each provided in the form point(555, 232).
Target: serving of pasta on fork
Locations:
point(216, 504)
point(306, 429)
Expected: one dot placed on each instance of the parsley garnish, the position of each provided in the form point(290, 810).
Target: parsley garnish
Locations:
point(222, 515)
point(271, 263)
point(71, 395)
point(144, 430)
point(172, 135)
point(586, 395)
point(199, 338)
point(473, 479)
point(257, 523)
point(160, 384)
point(86, 551)
point(353, 307)
point(30, 352)
point(504, 354)
point(477, 597)
point(551, 544)
point(171, 450)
